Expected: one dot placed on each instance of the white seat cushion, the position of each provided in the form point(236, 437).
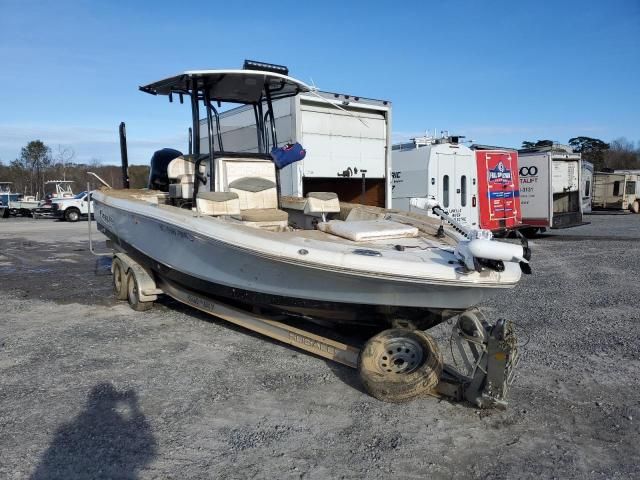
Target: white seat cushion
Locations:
point(362, 230)
point(180, 166)
point(255, 193)
point(322, 202)
point(218, 203)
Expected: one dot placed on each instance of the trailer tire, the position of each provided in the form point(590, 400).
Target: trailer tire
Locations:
point(635, 207)
point(398, 365)
point(133, 296)
point(119, 279)
point(72, 214)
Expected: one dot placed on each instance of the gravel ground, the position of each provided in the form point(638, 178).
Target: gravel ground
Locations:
point(91, 389)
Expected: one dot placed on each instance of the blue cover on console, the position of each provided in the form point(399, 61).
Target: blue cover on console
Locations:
point(288, 154)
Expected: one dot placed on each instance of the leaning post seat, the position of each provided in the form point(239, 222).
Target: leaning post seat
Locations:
point(180, 166)
point(218, 203)
point(255, 192)
point(181, 172)
point(259, 203)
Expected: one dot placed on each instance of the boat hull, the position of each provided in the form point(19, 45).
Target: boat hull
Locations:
point(222, 270)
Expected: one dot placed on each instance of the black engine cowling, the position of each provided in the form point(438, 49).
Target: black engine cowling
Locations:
point(158, 178)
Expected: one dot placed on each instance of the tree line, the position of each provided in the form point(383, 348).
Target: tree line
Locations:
point(618, 154)
point(38, 164)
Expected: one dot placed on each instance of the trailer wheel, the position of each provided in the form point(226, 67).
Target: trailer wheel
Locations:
point(398, 365)
point(635, 207)
point(133, 296)
point(119, 280)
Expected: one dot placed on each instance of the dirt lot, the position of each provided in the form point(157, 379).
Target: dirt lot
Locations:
point(91, 389)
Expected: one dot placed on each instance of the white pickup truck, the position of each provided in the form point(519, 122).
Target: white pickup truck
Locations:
point(72, 209)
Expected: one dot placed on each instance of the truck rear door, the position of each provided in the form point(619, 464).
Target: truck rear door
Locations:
point(534, 179)
point(567, 204)
point(499, 191)
point(457, 186)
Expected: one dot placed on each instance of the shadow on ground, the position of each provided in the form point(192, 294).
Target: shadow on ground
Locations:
point(111, 438)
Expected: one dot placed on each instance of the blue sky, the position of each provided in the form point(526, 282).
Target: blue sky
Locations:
point(497, 71)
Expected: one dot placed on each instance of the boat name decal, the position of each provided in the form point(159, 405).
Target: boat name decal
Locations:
point(108, 219)
point(310, 342)
point(176, 233)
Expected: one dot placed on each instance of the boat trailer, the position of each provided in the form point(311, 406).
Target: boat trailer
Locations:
point(488, 353)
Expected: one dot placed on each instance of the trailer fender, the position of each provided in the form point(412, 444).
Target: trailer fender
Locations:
point(147, 288)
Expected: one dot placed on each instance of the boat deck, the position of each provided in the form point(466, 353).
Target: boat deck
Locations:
point(427, 226)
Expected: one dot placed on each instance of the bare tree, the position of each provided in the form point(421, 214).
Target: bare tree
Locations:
point(622, 154)
point(64, 155)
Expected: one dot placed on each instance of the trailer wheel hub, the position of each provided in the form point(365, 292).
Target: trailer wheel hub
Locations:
point(400, 355)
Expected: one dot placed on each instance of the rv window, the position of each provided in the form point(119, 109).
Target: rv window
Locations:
point(445, 191)
point(630, 188)
point(587, 189)
point(616, 188)
point(463, 190)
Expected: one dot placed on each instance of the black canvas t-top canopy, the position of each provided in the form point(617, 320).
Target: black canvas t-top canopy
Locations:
point(236, 86)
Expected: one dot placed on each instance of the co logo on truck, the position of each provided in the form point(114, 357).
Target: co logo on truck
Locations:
point(528, 171)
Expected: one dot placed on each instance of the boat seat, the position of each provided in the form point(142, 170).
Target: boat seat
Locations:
point(180, 166)
point(255, 193)
point(266, 218)
point(263, 215)
point(322, 202)
point(368, 230)
point(183, 188)
point(218, 203)
point(293, 203)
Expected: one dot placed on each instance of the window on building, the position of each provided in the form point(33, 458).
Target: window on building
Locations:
point(616, 188)
point(630, 188)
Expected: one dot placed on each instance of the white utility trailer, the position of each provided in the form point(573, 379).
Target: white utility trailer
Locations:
point(586, 186)
point(347, 139)
point(616, 191)
point(550, 187)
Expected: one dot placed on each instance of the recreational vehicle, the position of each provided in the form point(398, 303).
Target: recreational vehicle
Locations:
point(616, 191)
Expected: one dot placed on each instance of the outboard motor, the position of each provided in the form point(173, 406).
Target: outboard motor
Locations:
point(158, 179)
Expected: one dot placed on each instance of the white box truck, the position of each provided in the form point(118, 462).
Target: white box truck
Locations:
point(347, 139)
point(550, 188)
